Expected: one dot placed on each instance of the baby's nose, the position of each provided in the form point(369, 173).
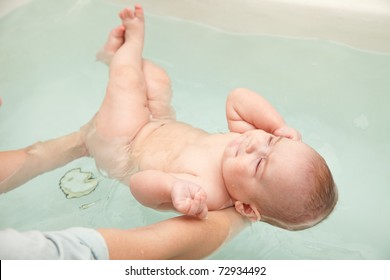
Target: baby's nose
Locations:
point(252, 146)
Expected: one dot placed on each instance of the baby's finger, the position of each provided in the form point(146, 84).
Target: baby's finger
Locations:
point(203, 213)
point(202, 207)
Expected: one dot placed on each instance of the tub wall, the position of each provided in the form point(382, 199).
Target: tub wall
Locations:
point(7, 6)
point(360, 23)
point(363, 24)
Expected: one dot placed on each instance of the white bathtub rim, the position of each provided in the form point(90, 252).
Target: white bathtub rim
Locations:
point(362, 24)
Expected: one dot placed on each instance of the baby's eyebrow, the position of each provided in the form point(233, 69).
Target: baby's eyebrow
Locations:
point(266, 163)
point(279, 138)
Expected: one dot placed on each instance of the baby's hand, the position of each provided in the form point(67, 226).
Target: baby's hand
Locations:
point(288, 132)
point(189, 198)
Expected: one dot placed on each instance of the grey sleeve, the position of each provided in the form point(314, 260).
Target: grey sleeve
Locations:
point(71, 244)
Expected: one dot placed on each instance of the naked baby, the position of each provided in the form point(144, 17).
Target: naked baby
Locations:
point(261, 167)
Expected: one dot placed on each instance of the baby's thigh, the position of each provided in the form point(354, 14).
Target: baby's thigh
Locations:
point(124, 110)
point(111, 155)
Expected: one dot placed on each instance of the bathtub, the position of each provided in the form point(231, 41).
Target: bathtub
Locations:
point(323, 64)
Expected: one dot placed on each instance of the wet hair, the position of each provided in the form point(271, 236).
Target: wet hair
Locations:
point(316, 201)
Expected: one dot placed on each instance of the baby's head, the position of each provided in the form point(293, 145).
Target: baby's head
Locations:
point(277, 180)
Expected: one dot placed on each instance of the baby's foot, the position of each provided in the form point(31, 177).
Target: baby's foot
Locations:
point(189, 199)
point(134, 23)
point(115, 40)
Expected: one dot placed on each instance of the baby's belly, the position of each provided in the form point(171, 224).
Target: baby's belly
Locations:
point(158, 145)
point(166, 146)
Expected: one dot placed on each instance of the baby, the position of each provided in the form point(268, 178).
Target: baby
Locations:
point(260, 167)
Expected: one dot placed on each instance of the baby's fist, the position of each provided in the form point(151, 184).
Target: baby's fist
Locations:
point(288, 132)
point(190, 199)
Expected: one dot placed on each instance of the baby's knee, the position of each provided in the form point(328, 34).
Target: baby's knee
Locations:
point(155, 74)
point(239, 91)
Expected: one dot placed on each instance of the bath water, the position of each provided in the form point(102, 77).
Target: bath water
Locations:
point(338, 97)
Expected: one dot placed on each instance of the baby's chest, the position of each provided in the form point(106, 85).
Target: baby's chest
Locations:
point(197, 161)
point(208, 170)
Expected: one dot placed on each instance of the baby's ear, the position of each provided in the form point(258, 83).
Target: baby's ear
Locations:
point(247, 210)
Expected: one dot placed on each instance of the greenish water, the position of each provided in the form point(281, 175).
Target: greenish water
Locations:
point(337, 96)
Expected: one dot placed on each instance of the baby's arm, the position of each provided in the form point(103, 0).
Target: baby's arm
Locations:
point(164, 191)
point(247, 110)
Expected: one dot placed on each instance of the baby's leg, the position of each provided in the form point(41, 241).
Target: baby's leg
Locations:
point(159, 91)
point(124, 110)
point(158, 84)
point(115, 40)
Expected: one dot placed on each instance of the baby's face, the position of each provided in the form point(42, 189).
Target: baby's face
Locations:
point(259, 164)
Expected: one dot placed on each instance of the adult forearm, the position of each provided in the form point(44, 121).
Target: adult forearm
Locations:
point(38, 158)
point(177, 238)
point(217, 229)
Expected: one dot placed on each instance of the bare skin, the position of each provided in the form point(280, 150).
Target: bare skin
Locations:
point(147, 105)
point(158, 84)
point(177, 238)
point(169, 164)
point(181, 237)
